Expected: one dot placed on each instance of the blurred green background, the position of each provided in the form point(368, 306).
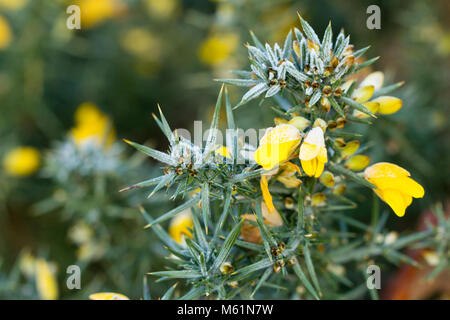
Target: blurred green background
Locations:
point(131, 55)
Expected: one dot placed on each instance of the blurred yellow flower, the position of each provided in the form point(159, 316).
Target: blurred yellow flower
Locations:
point(313, 154)
point(318, 199)
point(217, 48)
point(277, 145)
point(142, 43)
point(5, 33)
point(22, 161)
point(383, 105)
point(13, 5)
point(90, 251)
point(94, 12)
point(393, 185)
point(108, 296)
point(46, 281)
point(81, 232)
point(162, 8)
point(180, 225)
point(92, 125)
point(27, 263)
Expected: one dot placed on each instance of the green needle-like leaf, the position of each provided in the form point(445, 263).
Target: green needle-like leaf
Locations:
point(227, 246)
point(155, 154)
point(301, 275)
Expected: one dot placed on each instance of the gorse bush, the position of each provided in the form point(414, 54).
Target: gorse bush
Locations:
point(272, 221)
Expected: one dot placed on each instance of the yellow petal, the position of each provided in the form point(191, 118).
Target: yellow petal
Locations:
point(357, 163)
point(395, 200)
point(315, 137)
point(322, 156)
point(404, 184)
point(266, 194)
point(309, 166)
point(385, 169)
point(277, 145)
point(308, 151)
point(388, 105)
point(407, 199)
point(374, 79)
point(108, 296)
point(363, 94)
point(319, 169)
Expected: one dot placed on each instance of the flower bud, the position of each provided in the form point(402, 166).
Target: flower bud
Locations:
point(279, 121)
point(321, 124)
point(300, 123)
point(289, 203)
point(339, 189)
point(349, 149)
point(325, 103)
point(357, 163)
point(318, 199)
point(226, 268)
point(327, 179)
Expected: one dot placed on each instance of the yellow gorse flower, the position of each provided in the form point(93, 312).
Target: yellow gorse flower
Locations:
point(94, 12)
point(313, 154)
point(22, 161)
point(5, 33)
point(217, 48)
point(277, 146)
point(108, 296)
point(394, 185)
point(162, 9)
point(92, 125)
point(45, 281)
point(13, 5)
point(180, 225)
point(383, 104)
